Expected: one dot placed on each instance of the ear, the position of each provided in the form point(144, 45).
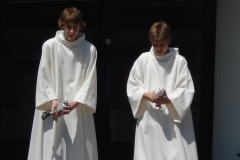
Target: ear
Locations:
point(169, 41)
point(62, 26)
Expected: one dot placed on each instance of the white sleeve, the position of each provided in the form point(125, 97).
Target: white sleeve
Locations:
point(182, 97)
point(87, 95)
point(135, 91)
point(45, 87)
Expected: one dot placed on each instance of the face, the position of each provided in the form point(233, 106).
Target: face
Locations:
point(71, 31)
point(161, 47)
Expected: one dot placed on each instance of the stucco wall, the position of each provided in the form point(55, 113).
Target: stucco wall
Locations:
point(226, 134)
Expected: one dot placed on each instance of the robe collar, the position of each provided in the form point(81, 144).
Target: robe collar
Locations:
point(172, 52)
point(61, 38)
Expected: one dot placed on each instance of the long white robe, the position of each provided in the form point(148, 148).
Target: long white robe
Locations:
point(159, 136)
point(66, 70)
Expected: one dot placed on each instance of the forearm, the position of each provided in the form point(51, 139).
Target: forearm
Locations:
point(157, 99)
point(74, 104)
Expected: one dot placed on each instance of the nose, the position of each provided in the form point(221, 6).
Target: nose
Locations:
point(71, 30)
point(158, 47)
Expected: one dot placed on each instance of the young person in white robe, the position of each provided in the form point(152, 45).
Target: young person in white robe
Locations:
point(164, 129)
point(67, 69)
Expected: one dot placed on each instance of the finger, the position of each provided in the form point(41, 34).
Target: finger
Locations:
point(61, 114)
point(164, 92)
point(67, 107)
point(160, 100)
point(55, 114)
point(52, 109)
point(66, 111)
point(155, 97)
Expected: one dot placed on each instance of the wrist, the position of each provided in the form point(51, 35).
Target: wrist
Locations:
point(74, 104)
point(146, 94)
point(168, 100)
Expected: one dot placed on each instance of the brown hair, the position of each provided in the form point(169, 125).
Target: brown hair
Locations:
point(160, 31)
point(73, 15)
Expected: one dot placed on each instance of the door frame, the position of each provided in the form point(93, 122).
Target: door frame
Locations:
point(104, 28)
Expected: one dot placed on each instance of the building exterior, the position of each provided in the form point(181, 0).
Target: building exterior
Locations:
point(226, 126)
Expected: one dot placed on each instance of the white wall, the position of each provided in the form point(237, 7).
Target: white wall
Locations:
point(226, 127)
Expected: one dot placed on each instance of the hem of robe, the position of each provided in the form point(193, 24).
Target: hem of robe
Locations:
point(87, 102)
point(43, 103)
point(140, 106)
point(178, 114)
point(173, 113)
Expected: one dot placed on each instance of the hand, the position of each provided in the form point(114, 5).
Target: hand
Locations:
point(68, 109)
point(151, 97)
point(55, 103)
point(157, 99)
point(164, 98)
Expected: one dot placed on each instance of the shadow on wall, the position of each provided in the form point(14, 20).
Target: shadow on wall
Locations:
point(11, 79)
point(11, 95)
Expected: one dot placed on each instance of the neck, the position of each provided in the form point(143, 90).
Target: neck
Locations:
point(167, 51)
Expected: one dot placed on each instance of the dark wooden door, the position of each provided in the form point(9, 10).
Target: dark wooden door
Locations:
point(124, 36)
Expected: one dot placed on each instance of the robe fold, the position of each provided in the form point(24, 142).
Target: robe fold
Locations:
point(66, 70)
point(162, 136)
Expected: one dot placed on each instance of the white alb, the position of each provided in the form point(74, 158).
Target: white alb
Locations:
point(66, 70)
point(162, 136)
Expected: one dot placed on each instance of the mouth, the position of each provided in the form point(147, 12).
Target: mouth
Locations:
point(160, 53)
